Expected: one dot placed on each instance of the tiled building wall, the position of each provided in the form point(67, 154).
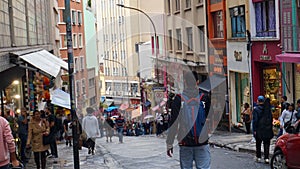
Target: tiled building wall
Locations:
point(38, 12)
point(19, 20)
point(32, 24)
point(4, 24)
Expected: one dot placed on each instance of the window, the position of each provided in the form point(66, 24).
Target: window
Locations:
point(74, 17)
point(92, 82)
point(179, 43)
point(81, 63)
point(177, 5)
point(238, 25)
point(79, 17)
point(189, 34)
point(83, 86)
point(188, 3)
point(168, 6)
point(170, 40)
point(77, 87)
point(74, 40)
point(218, 24)
point(57, 17)
point(265, 18)
point(202, 38)
point(63, 41)
point(93, 100)
point(80, 40)
point(215, 1)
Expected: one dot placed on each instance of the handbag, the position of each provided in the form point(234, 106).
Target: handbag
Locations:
point(288, 123)
point(47, 139)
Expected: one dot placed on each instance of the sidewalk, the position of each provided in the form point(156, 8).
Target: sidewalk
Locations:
point(65, 159)
point(236, 141)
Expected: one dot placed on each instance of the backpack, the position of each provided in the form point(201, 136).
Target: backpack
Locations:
point(193, 117)
point(265, 129)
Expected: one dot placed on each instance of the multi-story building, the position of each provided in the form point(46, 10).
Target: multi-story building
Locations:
point(238, 56)
point(186, 39)
point(78, 39)
point(92, 57)
point(265, 36)
point(117, 45)
point(290, 44)
point(27, 43)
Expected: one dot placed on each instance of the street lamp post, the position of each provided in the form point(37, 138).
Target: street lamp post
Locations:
point(67, 19)
point(123, 68)
point(155, 35)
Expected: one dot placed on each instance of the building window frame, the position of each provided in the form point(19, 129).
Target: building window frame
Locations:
point(74, 16)
point(80, 40)
point(74, 40)
point(170, 40)
point(265, 18)
point(218, 24)
point(177, 6)
point(189, 35)
point(238, 24)
point(202, 36)
point(179, 39)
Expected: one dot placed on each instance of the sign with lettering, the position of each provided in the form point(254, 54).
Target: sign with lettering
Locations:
point(265, 57)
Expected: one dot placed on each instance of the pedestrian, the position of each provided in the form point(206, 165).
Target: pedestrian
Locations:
point(120, 121)
point(23, 132)
point(91, 127)
point(68, 130)
point(53, 132)
point(7, 146)
point(188, 125)
point(38, 127)
point(288, 116)
point(263, 127)
point(109, 127)
point(284, 105)
point(246, 115)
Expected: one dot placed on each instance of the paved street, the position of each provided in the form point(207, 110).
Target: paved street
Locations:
point(148, 152)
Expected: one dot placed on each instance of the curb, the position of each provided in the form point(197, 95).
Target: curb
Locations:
point(237, 148)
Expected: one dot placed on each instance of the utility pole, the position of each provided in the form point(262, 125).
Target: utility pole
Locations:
point(75, 123)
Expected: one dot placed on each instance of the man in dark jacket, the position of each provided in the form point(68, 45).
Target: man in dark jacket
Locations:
point(190, 150)
point(262, 127)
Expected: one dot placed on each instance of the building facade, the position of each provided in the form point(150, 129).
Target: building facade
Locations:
point(238, 57)
point(265, 35)
point(91, 49)
point(78, 39)
point(28, 40)
point(186, 40)
point(290, 44)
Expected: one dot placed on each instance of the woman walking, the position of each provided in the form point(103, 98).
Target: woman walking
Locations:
point(246, 114)
point(37, 129)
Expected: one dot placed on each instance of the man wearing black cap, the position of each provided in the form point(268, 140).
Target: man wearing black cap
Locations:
point(262, 127)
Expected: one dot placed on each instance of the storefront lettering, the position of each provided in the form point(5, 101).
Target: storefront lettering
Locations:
point(265, 57)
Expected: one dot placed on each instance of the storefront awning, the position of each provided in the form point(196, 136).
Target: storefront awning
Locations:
point(288, 57)
point(60, 98)
point(44, 61)
point(211, 83)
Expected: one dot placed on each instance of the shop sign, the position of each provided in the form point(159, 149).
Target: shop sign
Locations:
point(265, 57)
point(238, 56)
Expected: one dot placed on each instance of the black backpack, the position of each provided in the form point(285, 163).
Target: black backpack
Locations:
point(265, 126)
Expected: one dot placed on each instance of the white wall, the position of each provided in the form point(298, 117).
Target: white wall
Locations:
point(233, 65)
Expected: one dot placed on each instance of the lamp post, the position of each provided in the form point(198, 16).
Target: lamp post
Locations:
point(155, 35)
point(123, 68)
point(67, 19)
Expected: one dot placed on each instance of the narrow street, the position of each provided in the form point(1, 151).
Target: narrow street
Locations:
point(147, 152)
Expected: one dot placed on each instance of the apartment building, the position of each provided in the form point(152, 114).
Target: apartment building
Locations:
point(78, 39)
point(28, 40)
point(117, 45)
point(187, 47)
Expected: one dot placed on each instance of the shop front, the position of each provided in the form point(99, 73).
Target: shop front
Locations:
point(266, 73)
point(238, 77)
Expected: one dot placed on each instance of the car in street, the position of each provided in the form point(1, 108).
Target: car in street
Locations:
point(287, 151)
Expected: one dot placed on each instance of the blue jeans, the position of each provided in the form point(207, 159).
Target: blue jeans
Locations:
point(120, 134)
point(5, 167)
point(199, 154)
